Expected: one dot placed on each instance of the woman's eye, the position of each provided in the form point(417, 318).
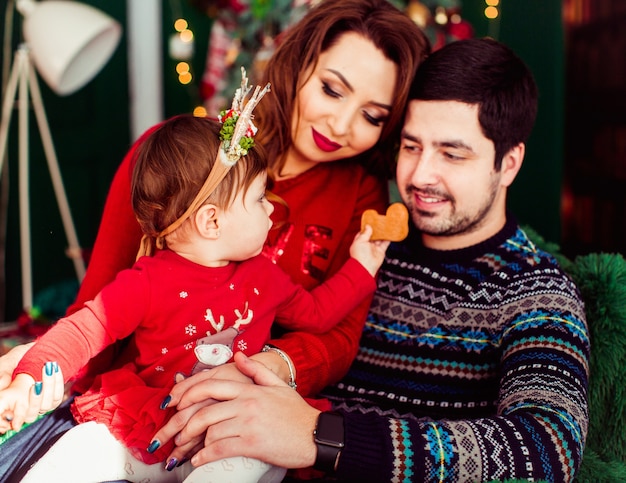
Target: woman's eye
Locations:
point(375, 121)
point(328, 91)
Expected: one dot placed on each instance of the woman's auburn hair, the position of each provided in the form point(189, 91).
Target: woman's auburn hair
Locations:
point(387, 27)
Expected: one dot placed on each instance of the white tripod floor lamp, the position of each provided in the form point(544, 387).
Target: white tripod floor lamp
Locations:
point(71, 71)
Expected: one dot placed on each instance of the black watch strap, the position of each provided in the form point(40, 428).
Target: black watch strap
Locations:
point(329, 439)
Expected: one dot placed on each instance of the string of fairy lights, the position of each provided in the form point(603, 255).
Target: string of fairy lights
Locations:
point(181, 41)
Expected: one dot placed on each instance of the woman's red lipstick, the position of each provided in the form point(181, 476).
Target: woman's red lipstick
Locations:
point(324, 143)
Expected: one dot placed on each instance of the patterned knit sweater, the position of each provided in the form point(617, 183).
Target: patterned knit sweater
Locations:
point(473, 366)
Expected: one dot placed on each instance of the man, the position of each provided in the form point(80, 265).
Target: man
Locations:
point(473, 363)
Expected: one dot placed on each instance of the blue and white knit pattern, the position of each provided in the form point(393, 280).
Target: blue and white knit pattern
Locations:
point(477, 361)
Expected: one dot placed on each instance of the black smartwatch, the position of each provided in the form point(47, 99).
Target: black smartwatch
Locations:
point(329, 439)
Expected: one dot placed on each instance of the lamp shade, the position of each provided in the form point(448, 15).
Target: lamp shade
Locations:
point(69, 41)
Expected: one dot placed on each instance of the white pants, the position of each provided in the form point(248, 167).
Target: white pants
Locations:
point(88, 453)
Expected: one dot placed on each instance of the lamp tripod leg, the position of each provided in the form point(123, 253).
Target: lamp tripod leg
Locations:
point(23, 184)
point(7, 108)
point(74, 251)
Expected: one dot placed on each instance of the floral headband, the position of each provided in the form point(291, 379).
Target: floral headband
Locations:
point(237, 137)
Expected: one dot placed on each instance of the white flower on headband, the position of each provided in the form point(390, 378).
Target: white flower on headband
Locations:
point(238, 131)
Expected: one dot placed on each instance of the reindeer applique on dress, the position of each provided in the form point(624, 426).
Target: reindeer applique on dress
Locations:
point(217, 348)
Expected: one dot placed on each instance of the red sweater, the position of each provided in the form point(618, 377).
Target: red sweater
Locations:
point(325, 206)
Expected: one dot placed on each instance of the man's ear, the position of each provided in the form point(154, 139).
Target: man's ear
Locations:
point(511, 164)
point(206, 220)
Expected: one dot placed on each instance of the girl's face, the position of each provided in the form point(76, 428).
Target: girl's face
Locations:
point(246, 222)
point(341, 108)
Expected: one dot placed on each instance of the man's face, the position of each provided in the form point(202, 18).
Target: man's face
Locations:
point(446, 174)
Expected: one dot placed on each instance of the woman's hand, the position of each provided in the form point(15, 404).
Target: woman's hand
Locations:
point(268, 421)
point(180, 419)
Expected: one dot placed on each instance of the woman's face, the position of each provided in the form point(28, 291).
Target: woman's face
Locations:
point(341, 108)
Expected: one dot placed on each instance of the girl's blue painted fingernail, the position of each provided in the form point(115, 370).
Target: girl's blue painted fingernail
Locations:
point(55, 367)
point(171, 464)
point(166, 401)
point(154, 445)
point(49, 368)
point(38, 387)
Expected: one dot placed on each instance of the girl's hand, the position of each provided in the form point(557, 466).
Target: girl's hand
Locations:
point(14, 403)
point(9, 361)
point(25, 399)
point(370, 254)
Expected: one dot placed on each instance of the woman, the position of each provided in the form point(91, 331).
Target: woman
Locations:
point(340, 80)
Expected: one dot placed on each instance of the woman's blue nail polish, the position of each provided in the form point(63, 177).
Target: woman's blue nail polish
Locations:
point(171, 464)
point(38, 387)
point(166, 401)
point(55, 367)
point(154, 445)
point(48, 368)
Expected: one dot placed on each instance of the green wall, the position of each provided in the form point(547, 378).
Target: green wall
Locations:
point(534, 30)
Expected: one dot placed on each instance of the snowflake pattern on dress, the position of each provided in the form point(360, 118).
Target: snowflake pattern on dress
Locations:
point(190, 329)
point(183, 295)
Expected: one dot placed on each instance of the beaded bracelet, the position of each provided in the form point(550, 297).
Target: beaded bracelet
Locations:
point(292, 372)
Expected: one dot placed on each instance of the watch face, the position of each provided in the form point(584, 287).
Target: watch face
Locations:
point(329, 430)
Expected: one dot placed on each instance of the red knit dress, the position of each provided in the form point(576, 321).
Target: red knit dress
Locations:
point(185, 318)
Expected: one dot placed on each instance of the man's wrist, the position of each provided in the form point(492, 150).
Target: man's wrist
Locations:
point(329, 439)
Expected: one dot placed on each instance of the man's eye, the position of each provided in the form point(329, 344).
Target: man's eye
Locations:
point(453, 157)
point(411, 148)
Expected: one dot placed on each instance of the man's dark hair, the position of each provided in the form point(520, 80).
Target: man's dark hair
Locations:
point(487, 73)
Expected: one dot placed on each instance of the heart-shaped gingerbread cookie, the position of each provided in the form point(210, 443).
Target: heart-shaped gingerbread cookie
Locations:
point(393, 226)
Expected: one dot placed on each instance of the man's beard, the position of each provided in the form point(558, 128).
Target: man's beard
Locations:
point(455, 223)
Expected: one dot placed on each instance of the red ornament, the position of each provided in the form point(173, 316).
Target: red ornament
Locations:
point(461, 30)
